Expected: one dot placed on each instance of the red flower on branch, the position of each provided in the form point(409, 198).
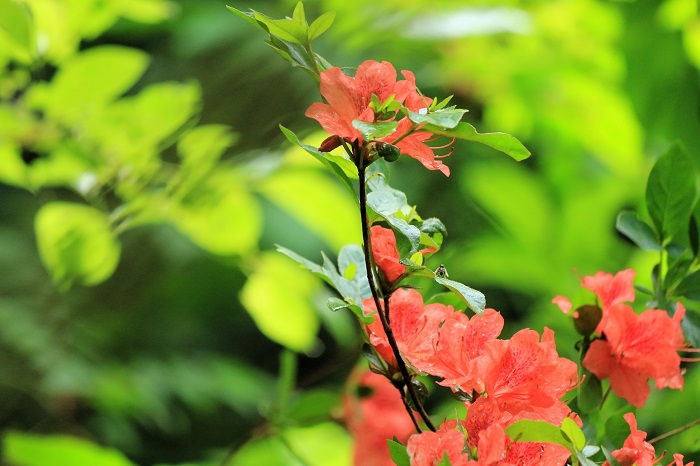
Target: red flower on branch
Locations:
point(635, 450)
point(349, 99)
point(385, 253)
point(373, 414)
point(637, 348)
point(429, 448)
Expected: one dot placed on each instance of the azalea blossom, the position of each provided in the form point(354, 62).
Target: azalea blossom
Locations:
point(375, 417)
point(635, 450)
point(637, 348)
point(385, 254)
point(349, 99)
point(429, 448)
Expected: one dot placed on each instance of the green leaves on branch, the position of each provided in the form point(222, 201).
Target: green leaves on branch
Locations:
point(76, 243)
point(447, 117)
point(353, 287)
point(500, 141)
point(291, 37)
point(475, 299)
point(376, 130)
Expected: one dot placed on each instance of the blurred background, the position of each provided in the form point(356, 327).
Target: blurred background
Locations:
point(163, 337)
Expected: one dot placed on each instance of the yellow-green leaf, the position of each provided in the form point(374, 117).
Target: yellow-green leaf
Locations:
point(21, 449)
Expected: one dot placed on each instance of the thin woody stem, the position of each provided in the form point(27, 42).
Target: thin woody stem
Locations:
point(375, 295)
point(674, 431)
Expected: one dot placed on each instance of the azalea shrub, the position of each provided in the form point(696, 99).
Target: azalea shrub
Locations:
point(517, 401)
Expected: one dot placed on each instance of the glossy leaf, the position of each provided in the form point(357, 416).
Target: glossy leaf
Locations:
point(24, 449)
point(76, 243)
point(691, 327)
point(475, 299)
point(285, 315)
point(377, 130)
point(445, 118)
point(398, 453)
point(500, 141)
point(354, 290)
point(629, 224)
point(670, 192)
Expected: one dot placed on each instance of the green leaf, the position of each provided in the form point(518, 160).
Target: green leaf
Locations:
point(299, 16)
point(372, 131)
point(16, 25)
point(629, 224)
point(445, 461)
point(445, 118)
point(247, 16)
point(527, 430)
point(670, 192)
point(76, 243)
point(386, 202)
point(475, 299)
point(321, 25)
point(500, 141)
point(286, 29)
point(344, 169)
point(355, 290)
point(590, 393)
point(337, 304)
point(277, 297)
point(22, 449)
point(691, 327)
point(398, 453)
point(573, 433)
point(90, 80)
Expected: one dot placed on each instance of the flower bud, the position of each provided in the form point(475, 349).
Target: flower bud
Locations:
point(387, 151)
point(586, 318)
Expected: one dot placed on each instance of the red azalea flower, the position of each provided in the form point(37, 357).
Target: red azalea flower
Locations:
point(526, 374)
point(678, 461)
point(429, 448)
point(635, 450)
point(385, 253)
point(414, 325)
point(374, 418)
point(638, 348)
point(349, 99)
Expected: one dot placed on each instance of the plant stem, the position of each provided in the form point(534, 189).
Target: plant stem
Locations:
point(375, 296)
point(674, 431)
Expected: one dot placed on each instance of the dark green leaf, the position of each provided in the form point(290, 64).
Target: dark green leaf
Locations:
point(691, 327)
point(590, 393)
point(433, 225)
point(474, 298)
point(398, 452)
point(371, 131)
point(445, 118)
point(611, 459)
point(689, 287)
point(321, 25)
point(693, 235)
point(500, 141)
point(670, 192)
point(629, 224)
point(374, 360)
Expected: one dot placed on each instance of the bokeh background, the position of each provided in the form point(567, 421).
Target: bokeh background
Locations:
point(169, 349)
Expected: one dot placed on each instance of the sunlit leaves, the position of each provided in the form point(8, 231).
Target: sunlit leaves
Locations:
point(76, 243)
point(88, 81)
point(446, 117)
point(276, 297)
point(16, 30)
point(58, 450)
point(670, 193)
point(374, 130)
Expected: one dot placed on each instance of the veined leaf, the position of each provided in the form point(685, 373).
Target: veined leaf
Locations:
point(670, 192)
point(500, 141)
point(475, 299)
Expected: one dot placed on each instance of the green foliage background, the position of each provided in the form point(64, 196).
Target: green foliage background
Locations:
point(144, 182)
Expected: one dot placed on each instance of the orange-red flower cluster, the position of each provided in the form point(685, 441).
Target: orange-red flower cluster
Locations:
point(637, 451)
point(632, 348)
point(349, 99)
point(519, 378)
